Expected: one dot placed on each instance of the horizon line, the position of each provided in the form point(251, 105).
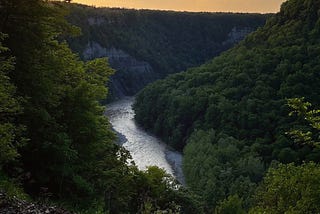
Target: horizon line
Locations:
point(169, 10)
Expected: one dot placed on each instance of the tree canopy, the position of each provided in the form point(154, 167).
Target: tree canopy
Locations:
point(240, 98)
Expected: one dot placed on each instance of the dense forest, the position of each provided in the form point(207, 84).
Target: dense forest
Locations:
point(230, 116)
point(56, 145)
point(244, 120)
point(167, 41)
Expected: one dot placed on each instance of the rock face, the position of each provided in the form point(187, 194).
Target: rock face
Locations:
point(237, 34)
point(95, 21)
point(131, 74)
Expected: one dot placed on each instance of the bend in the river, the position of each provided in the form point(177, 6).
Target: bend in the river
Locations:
point(145, 149)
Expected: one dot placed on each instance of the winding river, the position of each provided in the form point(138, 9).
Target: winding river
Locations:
point(145, 149)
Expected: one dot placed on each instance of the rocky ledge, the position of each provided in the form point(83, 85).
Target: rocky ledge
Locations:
point(18, 206)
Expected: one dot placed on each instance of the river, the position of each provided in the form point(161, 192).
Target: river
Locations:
point(145, 149)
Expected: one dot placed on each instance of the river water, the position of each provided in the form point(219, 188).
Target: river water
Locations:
point(145, 149)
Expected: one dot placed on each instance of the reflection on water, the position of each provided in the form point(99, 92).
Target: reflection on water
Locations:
point(145, 149)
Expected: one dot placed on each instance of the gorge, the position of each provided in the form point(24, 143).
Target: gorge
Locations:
point(146, 45)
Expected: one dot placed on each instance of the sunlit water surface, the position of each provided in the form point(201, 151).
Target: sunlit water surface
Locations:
point(145, 149)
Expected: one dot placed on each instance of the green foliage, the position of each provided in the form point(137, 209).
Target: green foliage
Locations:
point(217, 166)
point(242, 96)
point(302, 110)
point(9, 108)
point(70, 150)
point(11, 187)
point(158, 191)
point(231, 205)
point(98, 71)
point(289, 189)
point(149, 191)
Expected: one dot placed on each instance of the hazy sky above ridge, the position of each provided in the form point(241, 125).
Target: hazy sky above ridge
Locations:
point(259, 6)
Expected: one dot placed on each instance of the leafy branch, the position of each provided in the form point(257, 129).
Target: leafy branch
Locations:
point(302, 109)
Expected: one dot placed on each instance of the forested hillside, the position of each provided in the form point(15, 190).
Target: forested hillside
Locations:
point(56, 145)
point(144, 45)
point(230, 116)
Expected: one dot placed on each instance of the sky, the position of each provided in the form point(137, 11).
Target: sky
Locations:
point(254, 6)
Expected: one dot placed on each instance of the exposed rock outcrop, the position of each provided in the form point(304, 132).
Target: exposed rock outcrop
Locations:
point(237, 34)
point(96, 21)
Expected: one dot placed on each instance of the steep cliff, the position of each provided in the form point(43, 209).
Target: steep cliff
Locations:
point(145, 45)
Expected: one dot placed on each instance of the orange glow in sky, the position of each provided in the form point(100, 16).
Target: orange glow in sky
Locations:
point(259, 6)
